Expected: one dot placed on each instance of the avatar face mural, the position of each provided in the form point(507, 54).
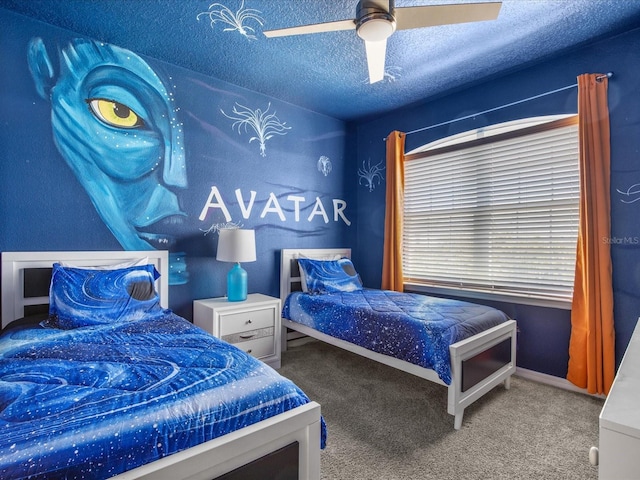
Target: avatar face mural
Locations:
point(115, 123)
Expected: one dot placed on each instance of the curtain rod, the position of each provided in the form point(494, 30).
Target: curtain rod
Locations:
point(606, 75)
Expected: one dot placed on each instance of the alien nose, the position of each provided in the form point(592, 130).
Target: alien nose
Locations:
point(175, 168)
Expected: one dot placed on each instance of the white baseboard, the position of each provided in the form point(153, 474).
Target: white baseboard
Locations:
point(553, 381)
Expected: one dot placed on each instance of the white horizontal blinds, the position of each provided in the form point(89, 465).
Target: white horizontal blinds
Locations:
point(500, 214)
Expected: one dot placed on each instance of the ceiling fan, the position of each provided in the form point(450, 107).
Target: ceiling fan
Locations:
point(376, 20)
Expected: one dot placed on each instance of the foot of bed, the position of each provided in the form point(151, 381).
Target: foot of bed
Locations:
point(507, 383)
point(457, 424)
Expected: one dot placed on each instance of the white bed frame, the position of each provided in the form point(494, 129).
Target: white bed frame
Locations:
point(461, 351)
point(205, 461)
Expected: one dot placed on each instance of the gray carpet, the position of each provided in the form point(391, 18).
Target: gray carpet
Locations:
point(385, 424)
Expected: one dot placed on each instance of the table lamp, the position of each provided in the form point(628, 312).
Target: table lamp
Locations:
point(236, 245)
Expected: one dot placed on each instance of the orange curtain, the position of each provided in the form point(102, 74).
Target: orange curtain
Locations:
point(392, 254)
point(592, 343)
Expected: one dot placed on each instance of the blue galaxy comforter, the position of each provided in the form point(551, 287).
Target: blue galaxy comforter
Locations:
point(95, 401)
point(411, 327)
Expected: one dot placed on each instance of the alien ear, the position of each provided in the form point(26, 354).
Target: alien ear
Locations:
point(40, 67)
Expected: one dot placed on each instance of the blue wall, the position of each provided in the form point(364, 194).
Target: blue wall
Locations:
point(544, 332)
point(44, 206)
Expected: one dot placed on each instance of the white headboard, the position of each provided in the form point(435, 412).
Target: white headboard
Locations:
point(15, 264)
point(289, 271)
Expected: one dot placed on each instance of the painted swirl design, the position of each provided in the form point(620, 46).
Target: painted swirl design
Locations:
point(96, 401)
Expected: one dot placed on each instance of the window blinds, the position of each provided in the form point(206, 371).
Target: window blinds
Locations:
point(500, 214)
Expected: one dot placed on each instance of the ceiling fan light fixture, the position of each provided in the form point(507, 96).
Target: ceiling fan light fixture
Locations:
point(376, 27)
point(377, 20)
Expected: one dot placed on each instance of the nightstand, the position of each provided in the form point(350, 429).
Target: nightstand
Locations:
point(252, 325)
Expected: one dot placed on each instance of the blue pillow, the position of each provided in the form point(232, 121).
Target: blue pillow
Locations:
point(80, 297)
point(327, 276)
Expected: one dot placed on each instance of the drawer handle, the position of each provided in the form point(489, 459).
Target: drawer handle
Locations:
point(248, 321)
point(244, 337)
point(249, 351)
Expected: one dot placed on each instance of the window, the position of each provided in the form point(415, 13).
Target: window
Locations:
point(495, 214)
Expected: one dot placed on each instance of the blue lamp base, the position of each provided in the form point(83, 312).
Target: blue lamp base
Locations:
point(237, 284)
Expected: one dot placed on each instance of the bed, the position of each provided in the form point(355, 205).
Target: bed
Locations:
point(469, 367)
point(137, 383)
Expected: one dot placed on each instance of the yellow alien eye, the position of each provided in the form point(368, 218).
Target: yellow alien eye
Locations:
point(114, 113)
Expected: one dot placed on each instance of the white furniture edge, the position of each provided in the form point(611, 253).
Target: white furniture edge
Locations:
point(207, 460)
point(224, 454)
point(619, 420)
point(254, 301)
point(460, 351)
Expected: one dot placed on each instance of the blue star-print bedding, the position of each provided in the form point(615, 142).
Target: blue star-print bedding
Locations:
point(98, 400)
point(411, 327)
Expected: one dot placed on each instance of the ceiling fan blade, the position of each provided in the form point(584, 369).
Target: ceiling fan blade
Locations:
point(432, 15)
point(376, 52)
point(314, 28)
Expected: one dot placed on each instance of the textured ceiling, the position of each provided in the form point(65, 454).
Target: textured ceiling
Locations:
point(327, 72)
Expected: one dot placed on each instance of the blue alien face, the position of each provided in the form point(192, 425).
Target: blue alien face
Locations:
point(115, 123)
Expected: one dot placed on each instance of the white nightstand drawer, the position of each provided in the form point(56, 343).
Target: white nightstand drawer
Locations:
point(253, 325)
point(251, 320)
point(248, 335)
point(262, 347)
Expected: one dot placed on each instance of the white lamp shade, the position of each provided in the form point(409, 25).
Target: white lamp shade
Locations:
point(236, 245)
